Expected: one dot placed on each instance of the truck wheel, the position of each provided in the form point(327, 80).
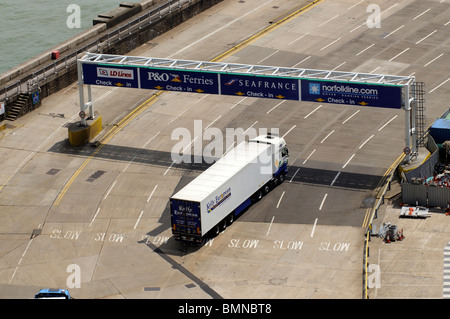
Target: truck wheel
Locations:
point(280, 178)
point(216, 230)
point(230, 219)
point(257, 196)
point(266, 189)
point(224, 224)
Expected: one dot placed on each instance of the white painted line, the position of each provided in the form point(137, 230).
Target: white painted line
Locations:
point(151, 139)
point(354, 5)
point(371, 72)
point(168, 168)
point(294, 174)
point(273, 53)
point(177, 116)
point(250, 127)
point(289, 131)
point(366, 141)
point(129, 163)
point(139, 218)
point(323, 201)
point(313, 111)
point(281, 197)
point(220, 29)
point(387, 123)
point(357, 27)
point(335, 178)
point(439, 86)
point(329, 44)
point(389, 8)
point(426, 36)
point(20, 260)
point(189, 145)
point(421, 14)
point(275, 106)
point(447, 23)
point(351, 157)
point(328, 20)
point(270, 226)
point(365, 49)
point(309, 156)
point(314, 228)
point(298, 38)
point(153, 191)
point(109, 190)
point(326, 137)
point(213, 122)
point(350, 117)
point(339, 66)
point(394, 31)
point(434, 59)
point(238, 103)
point(93, 218)
point(301, 61)
point(399, 54)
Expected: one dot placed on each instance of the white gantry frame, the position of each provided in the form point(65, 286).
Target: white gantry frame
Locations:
point(223, 67)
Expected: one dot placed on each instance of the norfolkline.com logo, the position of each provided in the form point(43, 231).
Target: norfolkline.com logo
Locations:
point(314, 88)
point(115, 73)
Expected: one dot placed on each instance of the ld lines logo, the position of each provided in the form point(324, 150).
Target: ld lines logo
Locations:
point(123, 74)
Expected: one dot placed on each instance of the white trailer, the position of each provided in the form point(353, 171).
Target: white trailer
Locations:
point(211, 201)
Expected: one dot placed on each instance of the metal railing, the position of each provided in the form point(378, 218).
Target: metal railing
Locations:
point(385, 185)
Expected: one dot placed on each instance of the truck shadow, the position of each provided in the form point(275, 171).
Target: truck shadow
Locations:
point(196, 165)
point(135, 155)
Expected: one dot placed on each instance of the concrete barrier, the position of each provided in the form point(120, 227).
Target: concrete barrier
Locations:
point(118, 15)
point(79, 135)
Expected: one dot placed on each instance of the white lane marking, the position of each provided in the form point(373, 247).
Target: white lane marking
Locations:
point(220, 29)
point(364, 143)
point(281, 197)
point(326, 137)
point(270, 226)
point(335, 178)
point(323, 201)
point(313, 111)
point(434, 59)
point(426, 36)
point(437, 87)
point(350, 117)
point(399, 54)
point(314, 228)
point(309, 156)
point(351, 157)
point(387, 123)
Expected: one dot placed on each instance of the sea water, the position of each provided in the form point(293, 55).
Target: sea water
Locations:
point(30, 27)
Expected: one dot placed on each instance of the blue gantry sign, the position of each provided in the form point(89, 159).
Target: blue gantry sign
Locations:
point(262, 86)
point(389, 96)
point(110, 75)
point(179, 80)
point(259, 86)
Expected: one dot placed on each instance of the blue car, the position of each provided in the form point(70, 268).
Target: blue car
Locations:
point(53, 294)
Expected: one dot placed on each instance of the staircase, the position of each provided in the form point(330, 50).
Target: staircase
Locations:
point(20, 107)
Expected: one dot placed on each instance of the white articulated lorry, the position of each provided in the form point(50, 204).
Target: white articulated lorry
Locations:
point(210, 202)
